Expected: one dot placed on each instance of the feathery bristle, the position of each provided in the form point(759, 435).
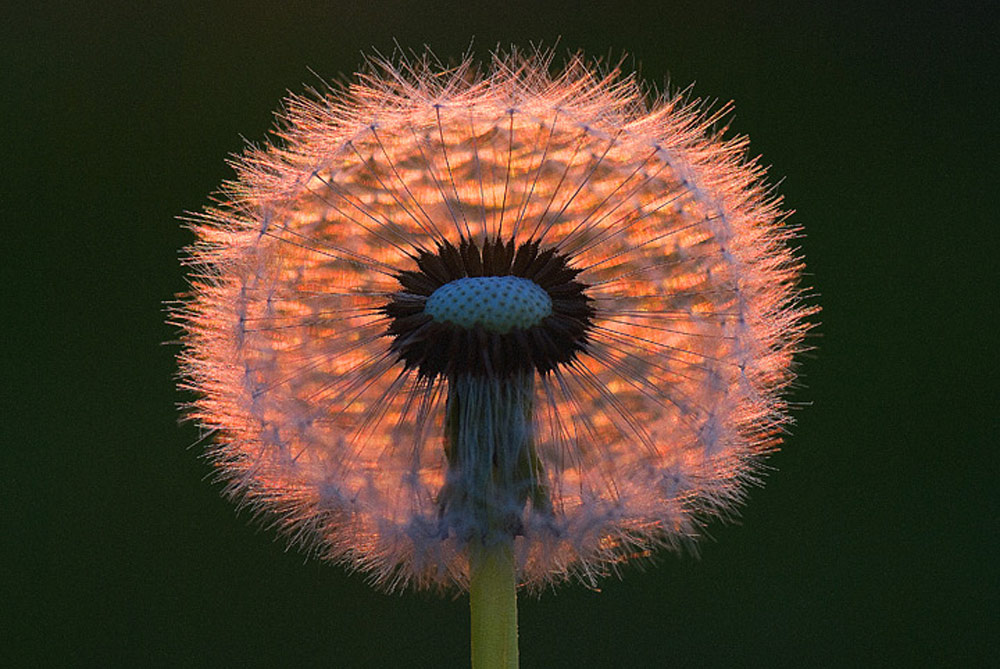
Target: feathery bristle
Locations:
point(656, 380)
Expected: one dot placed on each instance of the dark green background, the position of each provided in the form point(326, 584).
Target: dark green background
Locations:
point(874, 541)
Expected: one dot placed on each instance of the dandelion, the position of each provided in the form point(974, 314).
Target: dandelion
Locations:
point(478, 328)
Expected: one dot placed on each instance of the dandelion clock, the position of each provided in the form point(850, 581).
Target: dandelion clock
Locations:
point(492, 327)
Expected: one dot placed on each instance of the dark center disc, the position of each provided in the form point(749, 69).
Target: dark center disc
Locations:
point(436, 348)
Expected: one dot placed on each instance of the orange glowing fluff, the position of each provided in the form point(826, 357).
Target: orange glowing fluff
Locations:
point(657, 423)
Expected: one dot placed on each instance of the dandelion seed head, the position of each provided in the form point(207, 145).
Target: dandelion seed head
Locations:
point(459, 304)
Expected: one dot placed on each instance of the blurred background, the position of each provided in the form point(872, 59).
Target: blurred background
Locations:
point(874, 542)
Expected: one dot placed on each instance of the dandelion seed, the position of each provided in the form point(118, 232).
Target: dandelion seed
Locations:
point(454, 309)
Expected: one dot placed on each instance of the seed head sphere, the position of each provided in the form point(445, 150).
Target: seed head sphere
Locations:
point(491, 302)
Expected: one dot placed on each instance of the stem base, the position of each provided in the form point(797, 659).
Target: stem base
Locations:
point(493, 599)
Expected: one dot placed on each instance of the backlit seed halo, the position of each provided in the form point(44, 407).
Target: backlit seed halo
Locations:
point(654, 385)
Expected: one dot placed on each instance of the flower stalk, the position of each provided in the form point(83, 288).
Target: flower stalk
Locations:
point(493, 601)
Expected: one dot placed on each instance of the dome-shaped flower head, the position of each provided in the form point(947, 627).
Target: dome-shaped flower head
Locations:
point(492, 304)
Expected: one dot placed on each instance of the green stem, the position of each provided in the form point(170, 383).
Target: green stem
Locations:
point(493, 598)
point(493, 472)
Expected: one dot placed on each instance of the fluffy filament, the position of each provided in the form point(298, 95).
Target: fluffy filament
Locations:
point(620, 422)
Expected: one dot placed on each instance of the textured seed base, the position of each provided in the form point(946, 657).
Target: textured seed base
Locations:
point(498, 303)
